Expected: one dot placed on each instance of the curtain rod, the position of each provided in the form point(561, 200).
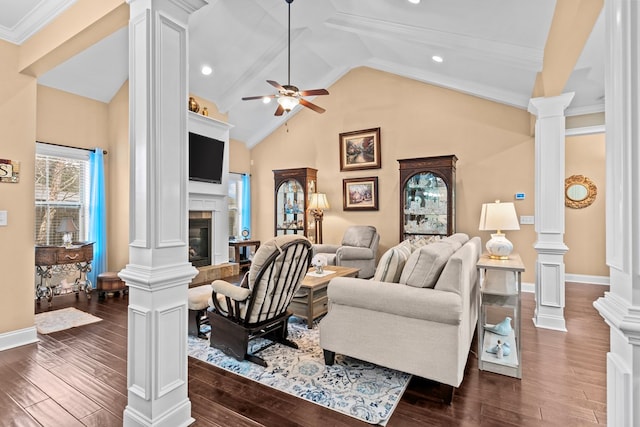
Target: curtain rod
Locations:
point(68, 146)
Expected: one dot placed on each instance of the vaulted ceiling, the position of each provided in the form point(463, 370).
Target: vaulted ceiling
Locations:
point(492, 49)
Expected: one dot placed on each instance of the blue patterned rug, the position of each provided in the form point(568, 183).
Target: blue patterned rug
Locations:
point(359, 389)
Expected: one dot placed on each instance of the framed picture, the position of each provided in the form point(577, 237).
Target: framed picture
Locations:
point(360, 150)
point(360, 194)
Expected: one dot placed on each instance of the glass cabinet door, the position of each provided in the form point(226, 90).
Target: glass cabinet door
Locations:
point(425, 205)
point(290, 200)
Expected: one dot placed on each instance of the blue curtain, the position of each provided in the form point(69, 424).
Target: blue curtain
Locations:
point(245, 203)
point(97, 215)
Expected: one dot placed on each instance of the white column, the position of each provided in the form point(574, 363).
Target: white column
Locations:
point(549, 210)
point(620, 307)
point(158, 272)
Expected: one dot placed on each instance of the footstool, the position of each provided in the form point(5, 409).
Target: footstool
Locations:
point(110, 282)
point(198, 303)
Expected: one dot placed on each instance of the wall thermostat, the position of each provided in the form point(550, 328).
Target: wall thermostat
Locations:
point(519, 196)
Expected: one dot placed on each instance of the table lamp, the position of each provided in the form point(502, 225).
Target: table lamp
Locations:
point(317, 204)
point(68, 227)
point(498, 216)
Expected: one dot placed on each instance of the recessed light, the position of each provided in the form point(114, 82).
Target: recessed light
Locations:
point(437, 58)
point(266, 100)
point(206, 70)
point(414, 1)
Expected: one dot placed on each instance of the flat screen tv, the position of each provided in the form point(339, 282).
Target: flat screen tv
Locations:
point(206, 157)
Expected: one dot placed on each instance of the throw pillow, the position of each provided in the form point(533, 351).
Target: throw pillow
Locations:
point(418, 242)
point(425, 264)
point(392, 263)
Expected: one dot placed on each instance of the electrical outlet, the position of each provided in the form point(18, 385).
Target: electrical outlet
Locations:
point(526, 219)
point(3, 217)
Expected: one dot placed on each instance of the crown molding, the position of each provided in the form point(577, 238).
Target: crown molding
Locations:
point(587, 109)
point(36, 19)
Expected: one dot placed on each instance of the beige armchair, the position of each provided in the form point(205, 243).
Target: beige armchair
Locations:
point(358, 249)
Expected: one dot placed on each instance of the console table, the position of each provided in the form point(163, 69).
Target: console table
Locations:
point(63, 259)
point(237, 244)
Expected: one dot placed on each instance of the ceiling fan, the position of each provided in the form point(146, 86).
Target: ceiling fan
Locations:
point(289, 96)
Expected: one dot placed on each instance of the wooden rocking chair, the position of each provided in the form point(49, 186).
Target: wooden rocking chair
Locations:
point(258, 307)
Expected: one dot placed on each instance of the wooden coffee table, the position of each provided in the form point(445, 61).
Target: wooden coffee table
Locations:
point(311, 300)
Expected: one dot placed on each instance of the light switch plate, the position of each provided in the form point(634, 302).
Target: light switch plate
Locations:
point(3, 217)
point(526, 219)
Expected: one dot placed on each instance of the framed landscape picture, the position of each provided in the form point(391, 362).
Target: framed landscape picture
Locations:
point(360, 150)
point(360, 194)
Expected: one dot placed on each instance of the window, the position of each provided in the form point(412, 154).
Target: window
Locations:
point(239, 214)
point(61, 191)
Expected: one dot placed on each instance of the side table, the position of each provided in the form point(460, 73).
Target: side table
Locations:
point(499, 298)
point(244, 262)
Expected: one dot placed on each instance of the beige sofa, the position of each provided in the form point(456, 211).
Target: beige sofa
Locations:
point(423, 325)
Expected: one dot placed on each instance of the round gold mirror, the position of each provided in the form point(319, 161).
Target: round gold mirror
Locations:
point(579, 191)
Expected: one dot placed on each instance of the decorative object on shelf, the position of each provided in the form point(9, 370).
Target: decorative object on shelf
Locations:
point(68, 227)
point(499, 216)
point(317, 205)
point(501, 349)
point(579, 192)
point(319, 262)
point(360, 150)
point(503, 328)
point(193, 105)
point(9, 171)
point(360, 194)
point(289, 96)
point(245, 234)
point(205, 111)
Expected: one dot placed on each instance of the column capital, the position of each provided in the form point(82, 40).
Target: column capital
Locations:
point(618, 314)
point(551, 106)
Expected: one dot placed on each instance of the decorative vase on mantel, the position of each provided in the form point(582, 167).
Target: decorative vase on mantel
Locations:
point(193, 105)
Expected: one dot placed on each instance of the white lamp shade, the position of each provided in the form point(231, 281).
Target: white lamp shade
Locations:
point(498, 216)
point(288, 102)
point(318, 201)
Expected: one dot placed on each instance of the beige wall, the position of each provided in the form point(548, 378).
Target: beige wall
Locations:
point(494, 148)
point(118, 184)
point(17, 133)
point(585, 228)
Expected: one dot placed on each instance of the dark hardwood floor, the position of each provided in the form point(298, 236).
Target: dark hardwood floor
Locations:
point(78, 377)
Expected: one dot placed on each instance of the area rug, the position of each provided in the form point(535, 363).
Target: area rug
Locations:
point(65, 318)
point(359, 389)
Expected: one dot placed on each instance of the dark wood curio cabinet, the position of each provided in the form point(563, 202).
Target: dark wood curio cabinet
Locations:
point(427, 196)
point(293, 188)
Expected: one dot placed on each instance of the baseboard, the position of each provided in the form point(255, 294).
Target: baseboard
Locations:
point(528, 287)
point(18, 338)
point(583, 278)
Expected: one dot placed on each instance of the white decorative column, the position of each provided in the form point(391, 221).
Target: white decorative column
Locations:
point(158, 272)
point(620, 307)
point(549, 210)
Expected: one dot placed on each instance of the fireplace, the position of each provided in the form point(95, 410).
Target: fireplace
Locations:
point(200, 241)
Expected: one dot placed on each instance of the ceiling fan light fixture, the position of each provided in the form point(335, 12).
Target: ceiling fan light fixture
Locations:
point(288, 102)
point(266, 99)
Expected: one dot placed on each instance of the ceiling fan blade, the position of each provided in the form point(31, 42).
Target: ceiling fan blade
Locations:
point(312, 92)
point(314, 107)
point(279, 110)
point(249, 98)
point(275, 84)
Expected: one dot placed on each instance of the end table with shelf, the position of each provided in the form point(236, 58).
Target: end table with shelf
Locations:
point(244, 258)
point(499, 297)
